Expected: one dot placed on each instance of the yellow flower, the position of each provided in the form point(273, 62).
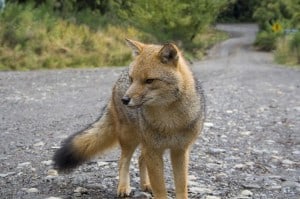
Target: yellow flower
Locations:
point(276, 27)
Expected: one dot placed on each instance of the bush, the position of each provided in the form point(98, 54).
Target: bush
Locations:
point(266, 41)
point(59, 34)
point(287, 50)
point(283, 13)
point(294, 45)
point(173, 20)
point(33, 38)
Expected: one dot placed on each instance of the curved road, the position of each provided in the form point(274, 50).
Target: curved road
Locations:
point(250, 147)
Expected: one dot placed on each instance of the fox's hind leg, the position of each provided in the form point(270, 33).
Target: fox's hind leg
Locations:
point(144, 178)
point(128, 145)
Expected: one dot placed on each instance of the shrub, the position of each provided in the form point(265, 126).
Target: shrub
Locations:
point(288, 49)
point(273, 16)
point(266, 41)
point(48, 34)
point(173, 20)
point(33, 38)
point(294, 45)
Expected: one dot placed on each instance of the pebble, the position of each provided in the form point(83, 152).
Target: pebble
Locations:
point(192, 177)
point(193, 183)
point(208, 124)
point(3, 175)
point(24, 164)
point(201, 190)
point(213, 166)
point(81, 190)
point(275, 187)
point(221, 176)
point(239, 166)
point(297, 108)
point(216, 150)
point(245, 133)
point(52, 172)
point(142, 195)
point(39, 144)
point(212, 197)
point(47, 162)
point(287, 162)
point(251, 186)
point(270, 141)
point(32, 190)
point(100, 163)
point(297, 152)
point(246, 193)
point(52, 197)
point(2, 157)
point(95, 186)
point(81, 179)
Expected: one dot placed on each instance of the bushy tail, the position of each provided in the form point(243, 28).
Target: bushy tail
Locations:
point(86, 144)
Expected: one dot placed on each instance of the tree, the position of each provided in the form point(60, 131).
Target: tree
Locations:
point(172, 19)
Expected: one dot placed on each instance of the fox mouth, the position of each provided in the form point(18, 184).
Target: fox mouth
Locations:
point(143, 103)
point(135, 106)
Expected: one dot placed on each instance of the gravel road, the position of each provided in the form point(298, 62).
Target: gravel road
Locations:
point(250, 147)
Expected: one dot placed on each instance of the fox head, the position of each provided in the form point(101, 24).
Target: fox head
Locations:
point(156, 75)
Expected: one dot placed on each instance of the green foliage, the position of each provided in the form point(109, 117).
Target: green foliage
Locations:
point(175, 20)
point(238, 11)
point(32, 38)
point(288, 50)
point(294, 46)
point(284, 11)
point(274, 17)
point(266, 41)
point(77, 33)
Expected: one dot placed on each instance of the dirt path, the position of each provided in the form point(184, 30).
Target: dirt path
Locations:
point(250, 147)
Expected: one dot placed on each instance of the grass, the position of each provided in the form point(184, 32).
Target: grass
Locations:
point(287, 52)
point(39, 38)
point(204, 41)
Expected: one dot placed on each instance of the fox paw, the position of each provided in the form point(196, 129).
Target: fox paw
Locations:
point(124, 191)
point(147, 188)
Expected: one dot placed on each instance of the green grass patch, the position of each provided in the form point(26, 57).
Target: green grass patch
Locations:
point(34, 37)
point(288, 50)
point(203, 41)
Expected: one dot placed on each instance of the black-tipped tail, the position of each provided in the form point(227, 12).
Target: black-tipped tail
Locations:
point(65, 159)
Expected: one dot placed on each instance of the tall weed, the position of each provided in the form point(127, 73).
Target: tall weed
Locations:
point(33, 38)
point(41, 36)
point(288, 50)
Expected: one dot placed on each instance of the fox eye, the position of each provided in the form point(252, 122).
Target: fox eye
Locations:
point(149, 81)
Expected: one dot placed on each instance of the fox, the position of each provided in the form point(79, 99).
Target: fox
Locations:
point(156, 105)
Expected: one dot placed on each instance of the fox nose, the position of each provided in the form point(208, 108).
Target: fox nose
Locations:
point(126, 100)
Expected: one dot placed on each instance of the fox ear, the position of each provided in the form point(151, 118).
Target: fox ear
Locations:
point(168, 54)
point(136, 46)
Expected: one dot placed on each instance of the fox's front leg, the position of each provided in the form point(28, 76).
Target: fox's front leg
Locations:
point(155, 168)
point(179, 159)
point(124, 163)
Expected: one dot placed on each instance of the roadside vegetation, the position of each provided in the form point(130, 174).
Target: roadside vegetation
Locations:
point(279, 22)
point(279, 25)
point(49, 34)
point(58, 34)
